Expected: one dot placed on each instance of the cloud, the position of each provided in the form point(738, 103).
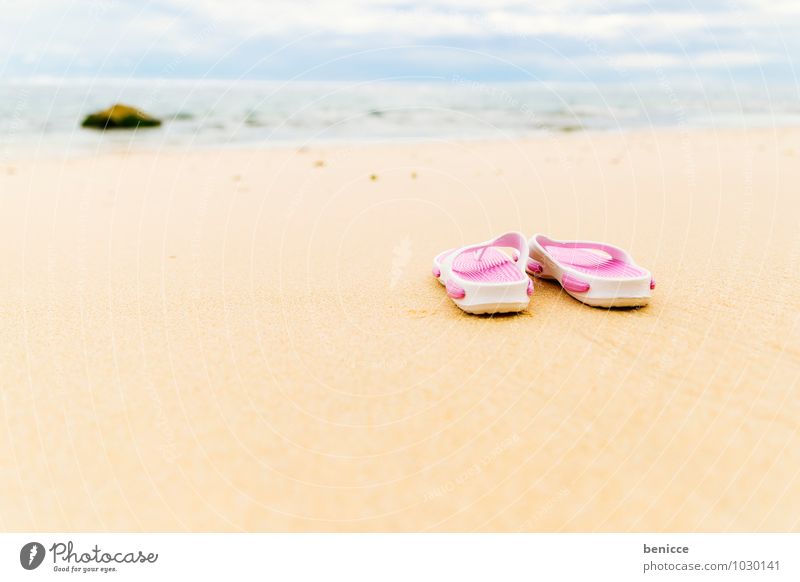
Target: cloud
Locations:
point(478, 18)
point(442, 18)
point(730, 59)
point(236, 37)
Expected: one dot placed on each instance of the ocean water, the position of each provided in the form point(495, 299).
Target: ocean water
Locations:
point(44, 115)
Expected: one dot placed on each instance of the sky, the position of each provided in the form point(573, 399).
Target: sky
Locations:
point(488, 40)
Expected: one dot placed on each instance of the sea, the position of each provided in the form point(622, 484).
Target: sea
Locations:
point(44, 114)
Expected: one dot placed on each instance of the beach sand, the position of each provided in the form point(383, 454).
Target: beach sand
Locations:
point(251, 339)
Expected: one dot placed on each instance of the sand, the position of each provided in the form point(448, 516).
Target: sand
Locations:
point(251, 339)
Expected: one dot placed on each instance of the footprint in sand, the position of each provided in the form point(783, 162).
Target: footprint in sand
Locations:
point(418, 313)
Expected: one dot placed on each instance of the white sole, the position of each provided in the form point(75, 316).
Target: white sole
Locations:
point(598, 301)
point(613, 302)
point(493, 308)
point(489, 308)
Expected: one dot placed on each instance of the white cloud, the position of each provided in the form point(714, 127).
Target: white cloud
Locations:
point(646, 60)
point(703, 60)
point(438, 18)
point(733, 59)
point(628, 33)
point(441, 18)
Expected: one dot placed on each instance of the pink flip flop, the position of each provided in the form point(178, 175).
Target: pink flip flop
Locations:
point(482, 278)
point(598, 274)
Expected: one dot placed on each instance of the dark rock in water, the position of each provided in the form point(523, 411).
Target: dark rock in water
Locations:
point(252, 120)
point(120, 117)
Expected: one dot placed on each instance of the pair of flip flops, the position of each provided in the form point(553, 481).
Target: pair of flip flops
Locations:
point(490, 277)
